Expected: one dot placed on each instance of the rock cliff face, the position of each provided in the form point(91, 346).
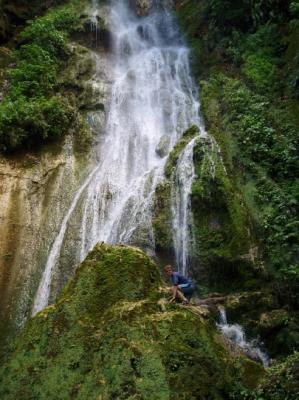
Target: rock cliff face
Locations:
point(142, 6)
point(110, 336)
point(36, 189)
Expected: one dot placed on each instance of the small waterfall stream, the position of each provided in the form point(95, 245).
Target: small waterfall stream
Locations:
point(181, 205)
point(94, 20)
point(152, 98)
point(235, 333)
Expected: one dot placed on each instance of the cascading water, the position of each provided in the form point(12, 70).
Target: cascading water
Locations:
point(236, 334)
point(181, 205)
point(152, 100)
point(94, 20)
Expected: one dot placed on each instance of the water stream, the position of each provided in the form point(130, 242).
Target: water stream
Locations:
point(181, 206)
point(235, 333)
point(153, 99)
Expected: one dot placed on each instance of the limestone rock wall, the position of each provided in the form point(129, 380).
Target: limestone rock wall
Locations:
point(36, 189)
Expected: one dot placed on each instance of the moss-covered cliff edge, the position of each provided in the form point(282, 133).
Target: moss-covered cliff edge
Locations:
point(109, 337)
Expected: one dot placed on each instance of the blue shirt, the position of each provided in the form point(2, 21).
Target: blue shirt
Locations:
point(179, 279)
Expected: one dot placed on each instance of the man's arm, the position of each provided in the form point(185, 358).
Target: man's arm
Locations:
point(174, 290)
point(175, 281)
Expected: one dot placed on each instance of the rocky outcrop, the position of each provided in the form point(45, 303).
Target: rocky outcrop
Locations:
point(108, 337)
point(163, 146)
point(224, 255)
point(142, 7)
point(36, 189)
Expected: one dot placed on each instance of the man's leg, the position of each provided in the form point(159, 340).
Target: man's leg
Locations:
point(180, 296)
point(188, 292)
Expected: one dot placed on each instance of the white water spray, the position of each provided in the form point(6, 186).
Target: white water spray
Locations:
point(236, 334)
point(152, 98)
point(42, 295)
point(94, 21)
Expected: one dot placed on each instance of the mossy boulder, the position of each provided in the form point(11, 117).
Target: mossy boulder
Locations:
point(108, 338)
point(240, 304)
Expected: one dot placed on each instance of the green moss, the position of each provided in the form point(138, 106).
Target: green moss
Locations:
point(31, 112)
point(162, 216)
point(176, 151)
point(222, 237)
point(108, 338)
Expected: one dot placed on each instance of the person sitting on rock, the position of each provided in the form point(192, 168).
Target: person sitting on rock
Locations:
point(183, 287)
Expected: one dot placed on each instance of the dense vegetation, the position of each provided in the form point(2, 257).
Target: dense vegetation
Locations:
point(33, 111)
point(245, 54)
point(281, 382)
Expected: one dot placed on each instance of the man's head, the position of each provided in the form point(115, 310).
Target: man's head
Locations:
point(168, 270)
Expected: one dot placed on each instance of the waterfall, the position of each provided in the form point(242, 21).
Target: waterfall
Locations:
point(94, 20)
point(236, 334)
point(182, 180)
point(153, 97)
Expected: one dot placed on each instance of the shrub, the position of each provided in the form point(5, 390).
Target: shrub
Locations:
point(281, 381)
point(30, 112)
point(35, 73)
point(261, 71)
point(26, 123)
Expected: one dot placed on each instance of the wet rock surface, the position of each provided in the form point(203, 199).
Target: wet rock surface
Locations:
point(163, 146)
point(142, 7)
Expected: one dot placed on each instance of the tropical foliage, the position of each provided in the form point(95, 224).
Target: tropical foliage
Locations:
point(32, 111)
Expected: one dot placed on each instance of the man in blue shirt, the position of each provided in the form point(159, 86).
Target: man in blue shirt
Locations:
point(183, 288)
